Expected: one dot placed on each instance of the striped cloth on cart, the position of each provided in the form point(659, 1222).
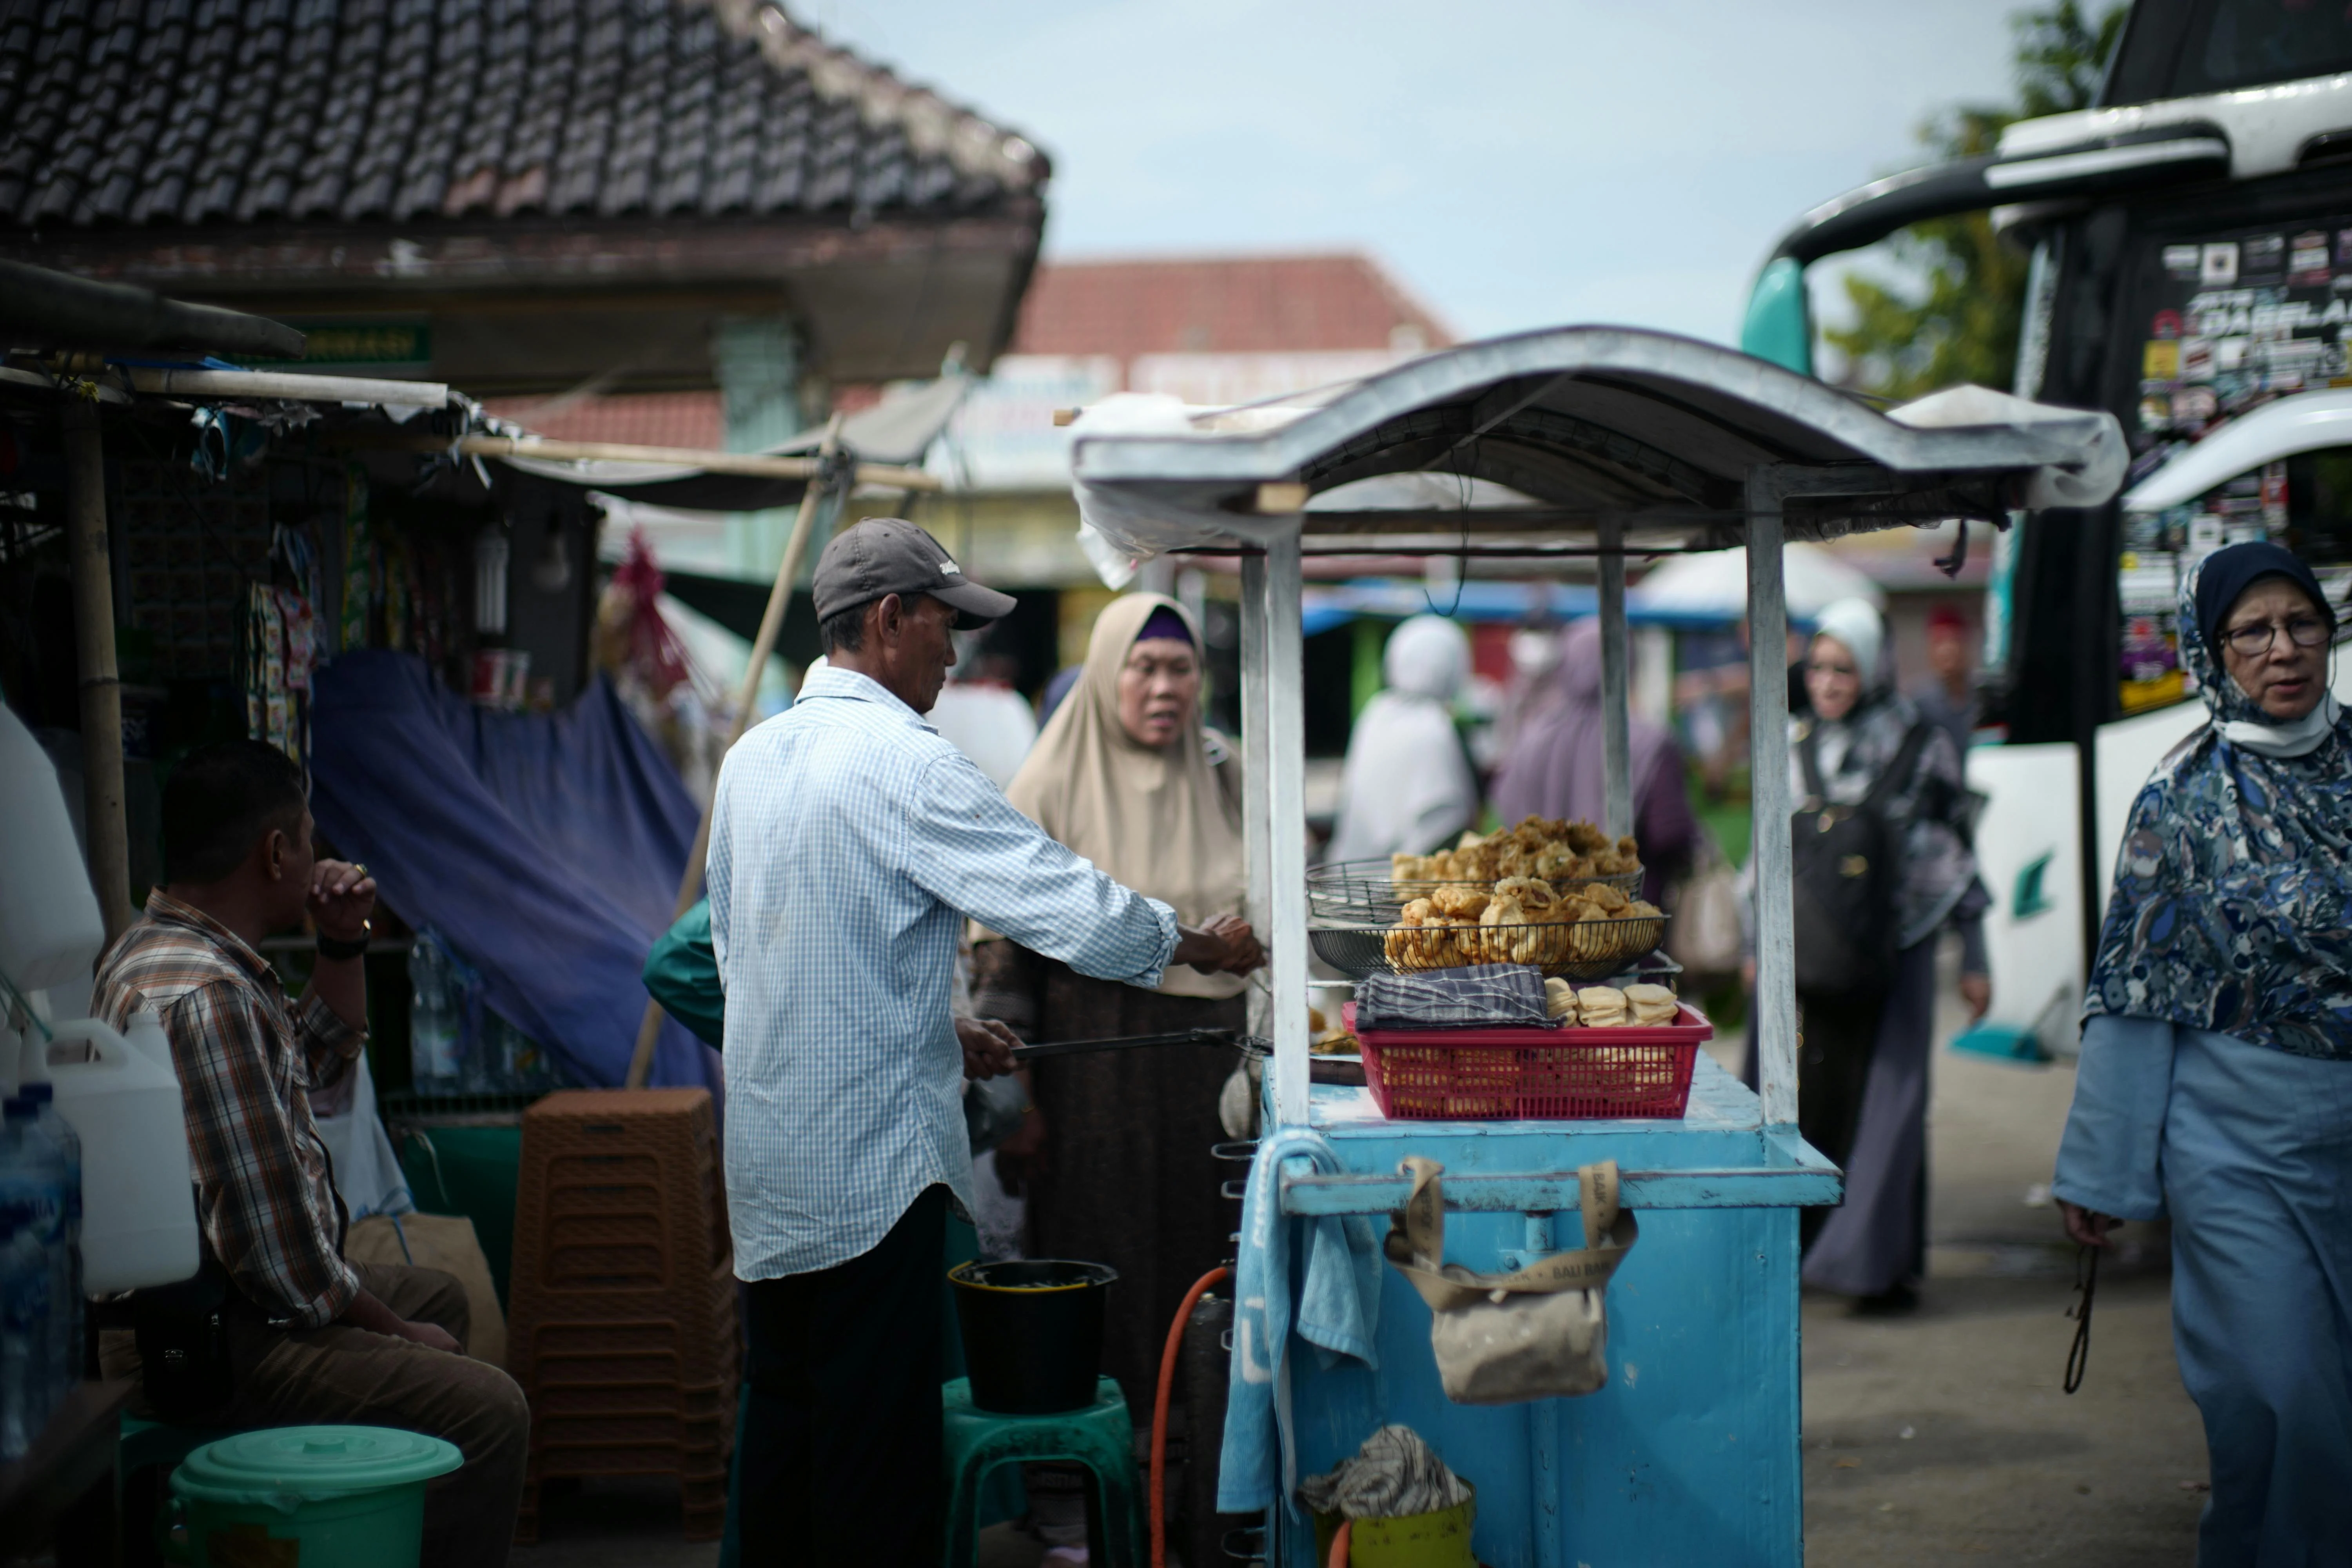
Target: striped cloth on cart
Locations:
point(1481, 995)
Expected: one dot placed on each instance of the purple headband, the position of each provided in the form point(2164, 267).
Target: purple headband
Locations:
point(1164, 622)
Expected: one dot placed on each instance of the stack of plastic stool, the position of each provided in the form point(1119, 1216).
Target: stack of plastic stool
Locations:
point(622, 1327)
point(1099, 1436)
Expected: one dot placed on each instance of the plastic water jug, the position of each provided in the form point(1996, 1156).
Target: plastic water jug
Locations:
point(49, 925)
point(138, 1197)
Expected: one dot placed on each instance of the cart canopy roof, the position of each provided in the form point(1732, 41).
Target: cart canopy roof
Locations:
point(1541, 437)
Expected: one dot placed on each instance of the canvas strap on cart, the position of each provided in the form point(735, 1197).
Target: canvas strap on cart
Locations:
point(1502, 1339)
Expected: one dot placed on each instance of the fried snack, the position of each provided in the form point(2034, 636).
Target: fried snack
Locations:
point(1504, 944)
point(1560, 1000)
point(1602, 896)
point(1652, 1003)
point(1585, 838)
point(1540, 898)
point(1601, 1007)
point(1459, 902)
point(1470, 839)
point(1403, 868)
point(1645, 910)
point(1417, 913)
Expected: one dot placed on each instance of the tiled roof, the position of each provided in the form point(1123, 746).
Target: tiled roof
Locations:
point(1265, 304)
point(368, 112)
point(694, 420)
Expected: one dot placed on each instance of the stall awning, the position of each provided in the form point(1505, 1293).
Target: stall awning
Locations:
point(896, 432)
point(1657, 433)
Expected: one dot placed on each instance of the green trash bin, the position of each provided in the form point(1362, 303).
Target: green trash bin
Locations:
point(310, 1497)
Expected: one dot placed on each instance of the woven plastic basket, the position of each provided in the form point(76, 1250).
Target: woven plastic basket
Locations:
point(1533, 1075)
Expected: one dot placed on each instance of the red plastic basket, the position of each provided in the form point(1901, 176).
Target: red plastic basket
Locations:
point(1532, 1075)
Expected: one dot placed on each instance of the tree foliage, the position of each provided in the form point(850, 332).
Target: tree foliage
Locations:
point(1956, 316)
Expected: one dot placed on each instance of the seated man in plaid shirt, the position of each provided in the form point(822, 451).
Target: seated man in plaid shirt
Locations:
point(313, 1339)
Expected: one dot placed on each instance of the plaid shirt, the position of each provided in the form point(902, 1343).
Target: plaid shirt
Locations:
point(248, 1059)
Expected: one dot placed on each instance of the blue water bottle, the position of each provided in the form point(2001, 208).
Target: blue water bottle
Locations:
point(66, 1291)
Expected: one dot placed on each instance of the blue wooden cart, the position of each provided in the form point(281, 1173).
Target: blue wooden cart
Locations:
point(1601, 443)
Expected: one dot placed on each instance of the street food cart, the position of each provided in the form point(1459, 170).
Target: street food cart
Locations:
point(1599, 443)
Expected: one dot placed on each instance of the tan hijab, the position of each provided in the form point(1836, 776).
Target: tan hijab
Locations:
point(1166, 822)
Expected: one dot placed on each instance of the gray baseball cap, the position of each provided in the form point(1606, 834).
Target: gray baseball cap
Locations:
point(882, 555)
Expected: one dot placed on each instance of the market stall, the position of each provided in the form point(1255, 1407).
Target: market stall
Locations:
point(1604, 443)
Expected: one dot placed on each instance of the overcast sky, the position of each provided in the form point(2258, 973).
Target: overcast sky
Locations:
point(1515, 162)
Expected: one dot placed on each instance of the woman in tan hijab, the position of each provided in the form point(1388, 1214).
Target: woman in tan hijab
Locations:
point(1125, 775)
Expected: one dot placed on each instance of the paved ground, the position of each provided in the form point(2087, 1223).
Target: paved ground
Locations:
point(1945, 1437)
point(1939, 1438)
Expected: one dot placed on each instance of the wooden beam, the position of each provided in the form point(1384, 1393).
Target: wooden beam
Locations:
point(293, 385)
point(104, 824)
point(754, 465)
point(689, 882)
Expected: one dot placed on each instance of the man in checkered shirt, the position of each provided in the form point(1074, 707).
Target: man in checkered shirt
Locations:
point(849, 843)
point(313, 1339)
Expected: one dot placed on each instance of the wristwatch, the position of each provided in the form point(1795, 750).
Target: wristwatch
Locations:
point(336, 947)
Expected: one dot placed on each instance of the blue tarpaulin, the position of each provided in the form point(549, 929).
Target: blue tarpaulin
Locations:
point(546, 848)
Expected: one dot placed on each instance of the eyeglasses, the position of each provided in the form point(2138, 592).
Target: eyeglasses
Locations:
point(2254, 641)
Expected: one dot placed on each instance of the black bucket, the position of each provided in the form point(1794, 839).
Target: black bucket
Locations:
point(1033, 1331)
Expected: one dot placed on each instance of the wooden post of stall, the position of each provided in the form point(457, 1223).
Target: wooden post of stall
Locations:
point(771, 622)
point(105, 829)
point(1767, 767)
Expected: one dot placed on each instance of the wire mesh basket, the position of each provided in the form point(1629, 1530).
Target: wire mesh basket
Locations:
point(1363, 891)
point(1570, 949)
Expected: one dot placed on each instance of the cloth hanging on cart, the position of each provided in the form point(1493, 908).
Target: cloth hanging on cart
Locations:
point(1338, 1312)
point(547, 847)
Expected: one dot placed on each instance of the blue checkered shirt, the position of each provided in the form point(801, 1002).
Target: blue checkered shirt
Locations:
point(849, 843)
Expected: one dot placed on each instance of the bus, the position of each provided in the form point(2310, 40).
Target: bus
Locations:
point(2191, 236)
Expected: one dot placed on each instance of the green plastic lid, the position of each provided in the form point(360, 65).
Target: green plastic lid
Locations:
point(284, 1466)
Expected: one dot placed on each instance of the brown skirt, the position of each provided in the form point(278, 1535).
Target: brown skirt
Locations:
point(1129, 1177)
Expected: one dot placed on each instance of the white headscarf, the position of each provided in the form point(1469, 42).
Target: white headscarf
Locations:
point(1408, 786)
point(1855, 624)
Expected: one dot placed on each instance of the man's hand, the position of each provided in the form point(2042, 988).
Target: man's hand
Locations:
point(432, 1336)
point(2086, 1225)
point(1225, 945)
point(1976, 990)
point(987, 1048)
point(342, 895)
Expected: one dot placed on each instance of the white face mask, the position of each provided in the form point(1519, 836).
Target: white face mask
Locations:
point(1535, 652)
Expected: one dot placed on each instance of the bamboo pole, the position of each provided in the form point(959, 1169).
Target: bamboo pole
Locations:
point(755, 465)
point(771, 622)
point(104, 827)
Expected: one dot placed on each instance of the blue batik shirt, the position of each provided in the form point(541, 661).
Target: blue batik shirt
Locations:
point(849, 843)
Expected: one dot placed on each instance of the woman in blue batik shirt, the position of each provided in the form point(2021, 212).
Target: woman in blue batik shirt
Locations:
point(2215, 1077)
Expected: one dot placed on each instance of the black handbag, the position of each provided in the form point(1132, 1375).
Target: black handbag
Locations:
point(1846, 865)
point(182, 1332)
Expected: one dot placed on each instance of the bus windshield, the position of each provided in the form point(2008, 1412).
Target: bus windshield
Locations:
point(2178, 48)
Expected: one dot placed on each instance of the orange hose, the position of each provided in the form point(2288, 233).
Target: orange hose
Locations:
point(1159, 1414)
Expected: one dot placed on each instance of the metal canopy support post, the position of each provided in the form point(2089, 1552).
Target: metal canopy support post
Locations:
point(1768, 756)
point(1284, 763)
point(1616, 748)
point(1257, 774)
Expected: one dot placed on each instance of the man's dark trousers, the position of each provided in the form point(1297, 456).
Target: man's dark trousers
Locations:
point(839, 1453)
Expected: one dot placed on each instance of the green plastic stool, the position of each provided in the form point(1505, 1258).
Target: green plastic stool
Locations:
point(1100, 1437)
